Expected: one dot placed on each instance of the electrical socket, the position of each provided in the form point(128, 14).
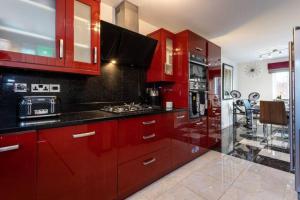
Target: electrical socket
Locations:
point(54, 88)
point(41, 88)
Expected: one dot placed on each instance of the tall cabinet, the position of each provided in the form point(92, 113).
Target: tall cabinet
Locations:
point(214, 95)
point(52, 35)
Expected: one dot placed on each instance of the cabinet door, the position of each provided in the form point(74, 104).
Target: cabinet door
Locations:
point(180, 146)
point(32, 32)
point(83, 35)
point(18, 166)
point(78, 162)
point(197, 44)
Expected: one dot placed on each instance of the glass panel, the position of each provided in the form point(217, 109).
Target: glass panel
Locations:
point(169, 57)
point(28, 27)
point(82, 32)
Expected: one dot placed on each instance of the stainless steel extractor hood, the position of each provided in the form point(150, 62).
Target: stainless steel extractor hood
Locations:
point(127, 16)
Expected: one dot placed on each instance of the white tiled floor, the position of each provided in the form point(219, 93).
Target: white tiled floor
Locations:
point(216, 176)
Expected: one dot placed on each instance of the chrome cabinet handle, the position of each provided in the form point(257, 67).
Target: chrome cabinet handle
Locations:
point(181, 117)
point(9, 148)
point(95, 55)
point(61, 48)
point(148, 137)
point(81, 135)
point(149, 122)
point(199, 49)
point(199, 123)
point(145, 163)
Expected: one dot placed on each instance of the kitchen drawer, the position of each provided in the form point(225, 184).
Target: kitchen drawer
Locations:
point(136, 174)
point(139, 136)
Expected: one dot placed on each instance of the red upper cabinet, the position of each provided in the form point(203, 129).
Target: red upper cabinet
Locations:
point(18, 166)
point(38, 35)
point(83, 35)
point(197, 44)
point(162, 67)
point(78, 162)
point(213, 55)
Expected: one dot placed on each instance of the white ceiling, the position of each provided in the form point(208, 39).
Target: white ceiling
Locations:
point(243, 28)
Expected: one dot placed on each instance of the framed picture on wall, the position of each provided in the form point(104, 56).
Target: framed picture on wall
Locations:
point(227, 81)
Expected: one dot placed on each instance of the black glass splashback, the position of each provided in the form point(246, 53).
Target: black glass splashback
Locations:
point(116, 84)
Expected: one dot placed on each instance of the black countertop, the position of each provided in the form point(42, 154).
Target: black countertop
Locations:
point(12, 125)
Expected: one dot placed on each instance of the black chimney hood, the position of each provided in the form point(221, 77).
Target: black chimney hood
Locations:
point(125, 47)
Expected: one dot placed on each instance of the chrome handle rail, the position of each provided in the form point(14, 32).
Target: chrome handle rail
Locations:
point(81, 135)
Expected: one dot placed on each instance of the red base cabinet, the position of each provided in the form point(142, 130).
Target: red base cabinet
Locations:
point(78, 162)
point(18, 166)
point(144, 151)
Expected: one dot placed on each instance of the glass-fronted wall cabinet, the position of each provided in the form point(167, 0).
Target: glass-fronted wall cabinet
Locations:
point(162, 68)
point(36, 34)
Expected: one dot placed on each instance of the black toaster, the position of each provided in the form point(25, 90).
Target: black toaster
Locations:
point(38, 107)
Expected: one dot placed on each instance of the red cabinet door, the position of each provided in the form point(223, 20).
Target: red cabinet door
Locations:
point(78, 162)
point(83, 35)
point(139, 136)
point(162, 65)
point(18, 166)
point(135, 174)
point(32, 34)
point(197, 137)
point(214, 95)
point(180, 146)
point(197, 44)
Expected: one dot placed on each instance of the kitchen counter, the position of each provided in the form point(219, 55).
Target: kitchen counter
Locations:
point(12, 125)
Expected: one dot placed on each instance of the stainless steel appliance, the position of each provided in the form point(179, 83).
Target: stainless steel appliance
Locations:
point(128, 108)
point(294, 126)
point(197, 86)
point(153, 97)
point(38, 107)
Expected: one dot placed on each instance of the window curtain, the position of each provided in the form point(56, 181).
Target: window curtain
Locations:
point(278, 67)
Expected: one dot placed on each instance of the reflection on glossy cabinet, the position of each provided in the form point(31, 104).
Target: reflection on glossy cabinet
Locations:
point(18, 166)
point(78, 162)
point(162, 67)
point(47, 42)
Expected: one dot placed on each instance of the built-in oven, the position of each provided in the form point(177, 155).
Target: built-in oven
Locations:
point(197, 86)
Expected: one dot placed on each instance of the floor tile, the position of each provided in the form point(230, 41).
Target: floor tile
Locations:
point(179, 192)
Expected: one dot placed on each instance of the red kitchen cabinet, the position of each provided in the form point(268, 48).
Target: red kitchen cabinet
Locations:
point(198, 137)
point(140, 136)
point(197, 44)
point(214, 96)
point(162, 67)
point(180, 145)
point(136, 174)
point(51, 35)
point(78, 162)
point(18, 166)
point(83, 35)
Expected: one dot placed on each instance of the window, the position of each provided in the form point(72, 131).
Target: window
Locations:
point(280, 84)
